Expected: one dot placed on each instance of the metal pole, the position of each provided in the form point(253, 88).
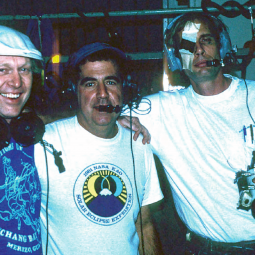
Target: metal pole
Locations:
point(163, 12)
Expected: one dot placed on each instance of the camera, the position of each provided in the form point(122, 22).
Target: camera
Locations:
point(246, 185)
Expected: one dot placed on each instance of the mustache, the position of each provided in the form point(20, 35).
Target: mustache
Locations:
point(109, 108)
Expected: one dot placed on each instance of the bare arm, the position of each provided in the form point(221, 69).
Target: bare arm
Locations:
point(124, 121)
point(148, 236)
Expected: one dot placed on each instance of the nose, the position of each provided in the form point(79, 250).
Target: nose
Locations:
point(199, 50)
point(15, 79)
point(102, 91)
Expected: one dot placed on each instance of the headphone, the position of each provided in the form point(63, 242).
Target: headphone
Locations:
point(26, 129)
point(131, 91)
point(174, 61)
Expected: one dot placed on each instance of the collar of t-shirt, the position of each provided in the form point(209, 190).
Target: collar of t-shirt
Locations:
point(219, 97)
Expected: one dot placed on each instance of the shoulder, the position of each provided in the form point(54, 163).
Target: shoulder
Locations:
point(251, 85)
point(60, 123)
point(59, 126)
point(126, 135)
point(243, 84)
point(161, 96)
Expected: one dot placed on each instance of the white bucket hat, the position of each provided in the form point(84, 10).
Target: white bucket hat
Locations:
point(14, 43)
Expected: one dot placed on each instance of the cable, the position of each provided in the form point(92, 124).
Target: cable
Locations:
point(247, 103)
point(133, 160)
point(247, 98)
point(134, 107)
point(47, 197)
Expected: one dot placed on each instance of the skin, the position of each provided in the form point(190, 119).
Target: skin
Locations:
point(15, 85)
point(206, 80)
point(152, 244)
point(99, 84)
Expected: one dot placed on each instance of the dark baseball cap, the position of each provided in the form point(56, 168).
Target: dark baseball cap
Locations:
point(89, 49)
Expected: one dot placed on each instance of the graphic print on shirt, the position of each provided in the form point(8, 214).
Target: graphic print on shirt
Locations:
point(247, 134)
point(103, 193)
point(20, 195)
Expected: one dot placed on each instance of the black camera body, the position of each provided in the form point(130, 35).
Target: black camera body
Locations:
point(246, 185)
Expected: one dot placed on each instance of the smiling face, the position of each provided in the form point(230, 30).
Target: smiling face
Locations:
point(99, 84)
point(204, 49)
point(15, 85)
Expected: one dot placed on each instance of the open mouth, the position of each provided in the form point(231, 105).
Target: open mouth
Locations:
point(10, 95)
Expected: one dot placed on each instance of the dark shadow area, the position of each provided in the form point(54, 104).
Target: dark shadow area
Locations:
point(171, 230)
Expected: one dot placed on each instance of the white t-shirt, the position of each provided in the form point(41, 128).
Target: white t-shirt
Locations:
point(93, 205)
point(201, 143)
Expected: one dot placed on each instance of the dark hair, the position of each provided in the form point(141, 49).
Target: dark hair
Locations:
point(72, 74)
point(215, 25)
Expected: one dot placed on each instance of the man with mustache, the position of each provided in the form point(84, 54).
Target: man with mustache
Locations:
point(94, 206)
point(204, 136)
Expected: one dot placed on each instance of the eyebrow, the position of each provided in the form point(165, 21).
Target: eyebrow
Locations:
point(204, 35)
point(4, 64)
point(111, 77)
point(85, 79)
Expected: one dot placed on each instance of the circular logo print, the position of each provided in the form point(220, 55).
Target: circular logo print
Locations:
point(103, 193)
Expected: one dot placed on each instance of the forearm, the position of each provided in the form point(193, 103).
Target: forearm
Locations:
point(149, 241)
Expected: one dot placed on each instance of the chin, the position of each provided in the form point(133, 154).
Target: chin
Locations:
point(11, 115)
point(104, 121)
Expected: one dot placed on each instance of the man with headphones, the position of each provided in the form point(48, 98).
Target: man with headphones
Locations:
point(204, 136)
point(103, 199)
point(20, 190)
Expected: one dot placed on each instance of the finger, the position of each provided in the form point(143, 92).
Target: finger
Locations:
point(136, 134)
point(146, 135)
point(124, 121)
point(146, 138)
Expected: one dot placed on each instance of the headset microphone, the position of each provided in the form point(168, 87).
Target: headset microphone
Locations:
point(109, 108)
point(228, 60)
point(214, 62)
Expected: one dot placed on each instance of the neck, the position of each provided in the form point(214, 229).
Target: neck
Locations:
point(211, 87)
point(106, 132)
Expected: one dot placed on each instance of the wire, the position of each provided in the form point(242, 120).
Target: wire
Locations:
point(141, 111)
point(47, 197)
point(247, 103)
point(134, 107)
point(133, 160)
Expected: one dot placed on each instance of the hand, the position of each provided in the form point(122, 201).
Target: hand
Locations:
point(124, 121)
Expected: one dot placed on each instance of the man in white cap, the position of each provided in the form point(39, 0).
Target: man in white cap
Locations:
point(20, 191)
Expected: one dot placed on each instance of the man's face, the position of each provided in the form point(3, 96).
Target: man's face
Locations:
point(203, 49)
point(15, 85)
point(99, 84)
